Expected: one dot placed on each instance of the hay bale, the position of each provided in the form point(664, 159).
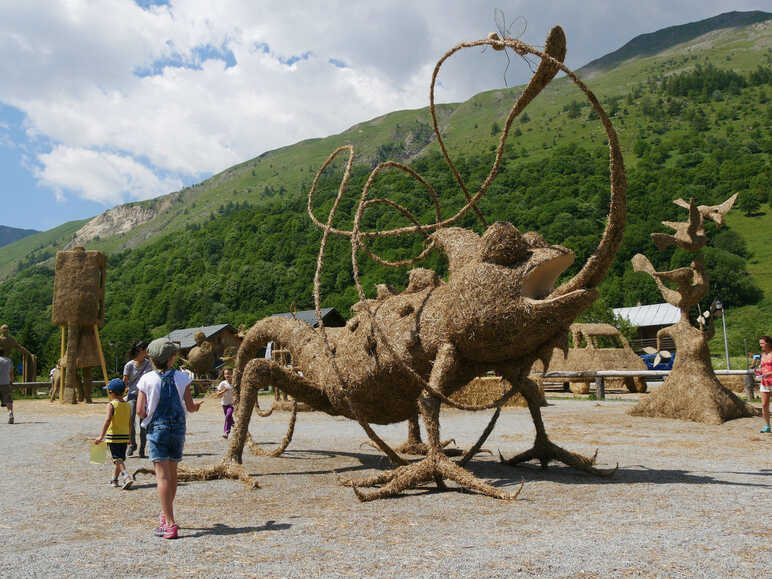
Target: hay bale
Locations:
point(733, 383)
point(580, 387)
point(487, 389)
point(79, 288)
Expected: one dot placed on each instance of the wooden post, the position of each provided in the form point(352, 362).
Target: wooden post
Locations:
point(24, 372)
point(749, 384)
point(71, 383)
point(101, 354)
point(600, 387)
point(62, 368)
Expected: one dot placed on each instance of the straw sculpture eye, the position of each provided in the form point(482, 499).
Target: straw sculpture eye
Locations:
point(503, 244)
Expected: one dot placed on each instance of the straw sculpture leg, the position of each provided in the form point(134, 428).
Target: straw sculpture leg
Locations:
point(436, 467)
point(415, 445)
point(259, 451)
point(447, 373)
point(257, 374)
point(215, 472)
point(545, 450)
point(71, 387)
point(84, 393)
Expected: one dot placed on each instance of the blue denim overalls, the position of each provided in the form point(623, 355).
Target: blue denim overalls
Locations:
point(166, 431)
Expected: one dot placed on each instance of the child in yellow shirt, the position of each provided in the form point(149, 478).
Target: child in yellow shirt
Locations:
point(115, 431)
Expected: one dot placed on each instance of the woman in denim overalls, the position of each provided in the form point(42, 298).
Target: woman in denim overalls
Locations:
point(160, 405)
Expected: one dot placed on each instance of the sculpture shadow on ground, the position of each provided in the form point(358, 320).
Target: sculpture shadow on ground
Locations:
point(219, 529)
point(499, 475)
point(638, 474)
point(366, 461)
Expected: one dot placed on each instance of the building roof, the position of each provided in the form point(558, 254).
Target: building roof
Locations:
point(329, 315)
point(650, 315)
point(185, 336)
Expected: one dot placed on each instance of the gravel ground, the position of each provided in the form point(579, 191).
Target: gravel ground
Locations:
point(688, 500)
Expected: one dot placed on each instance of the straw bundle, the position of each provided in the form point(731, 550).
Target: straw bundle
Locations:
point(484, 390)
point(735, 383)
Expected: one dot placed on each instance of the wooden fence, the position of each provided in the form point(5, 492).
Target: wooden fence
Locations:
point(599, 377)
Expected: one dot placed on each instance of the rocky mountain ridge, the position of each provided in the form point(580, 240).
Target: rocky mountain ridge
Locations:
point(120, 219)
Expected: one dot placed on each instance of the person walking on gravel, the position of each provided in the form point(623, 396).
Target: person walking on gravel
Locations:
point(225, 391)
point(138, 366)
point(164, 395)
point(765, 371)
point(6, 383)
point(115, 431)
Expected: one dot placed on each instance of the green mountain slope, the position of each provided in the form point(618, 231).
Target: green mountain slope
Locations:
point(36, 248)
point(469, 127)
point(661, 40)
point(746, 323)
point(11, 234)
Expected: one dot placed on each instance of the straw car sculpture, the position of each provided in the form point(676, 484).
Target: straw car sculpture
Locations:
point(401, 351)
point(691, 391)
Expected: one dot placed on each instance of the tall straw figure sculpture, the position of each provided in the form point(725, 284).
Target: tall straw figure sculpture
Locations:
point(79, 304)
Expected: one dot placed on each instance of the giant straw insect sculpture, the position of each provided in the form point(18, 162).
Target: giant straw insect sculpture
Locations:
point(497, 311)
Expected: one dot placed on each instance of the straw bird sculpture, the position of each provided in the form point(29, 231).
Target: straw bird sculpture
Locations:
point(689, 235)
point(691, 391)
point(691, 281)
point(498, 310)
point(713, 212)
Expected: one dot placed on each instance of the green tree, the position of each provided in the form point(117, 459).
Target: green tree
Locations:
point(749, 202)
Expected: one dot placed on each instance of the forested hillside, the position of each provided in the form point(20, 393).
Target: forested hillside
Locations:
point(694, 128)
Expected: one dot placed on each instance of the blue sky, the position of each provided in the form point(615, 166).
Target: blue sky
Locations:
point(109, 101)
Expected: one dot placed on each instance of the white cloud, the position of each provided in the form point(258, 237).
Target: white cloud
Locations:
point(106, 178)
point(70, 67)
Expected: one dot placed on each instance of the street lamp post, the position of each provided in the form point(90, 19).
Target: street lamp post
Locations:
point(722, 311)
point(115, 365)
